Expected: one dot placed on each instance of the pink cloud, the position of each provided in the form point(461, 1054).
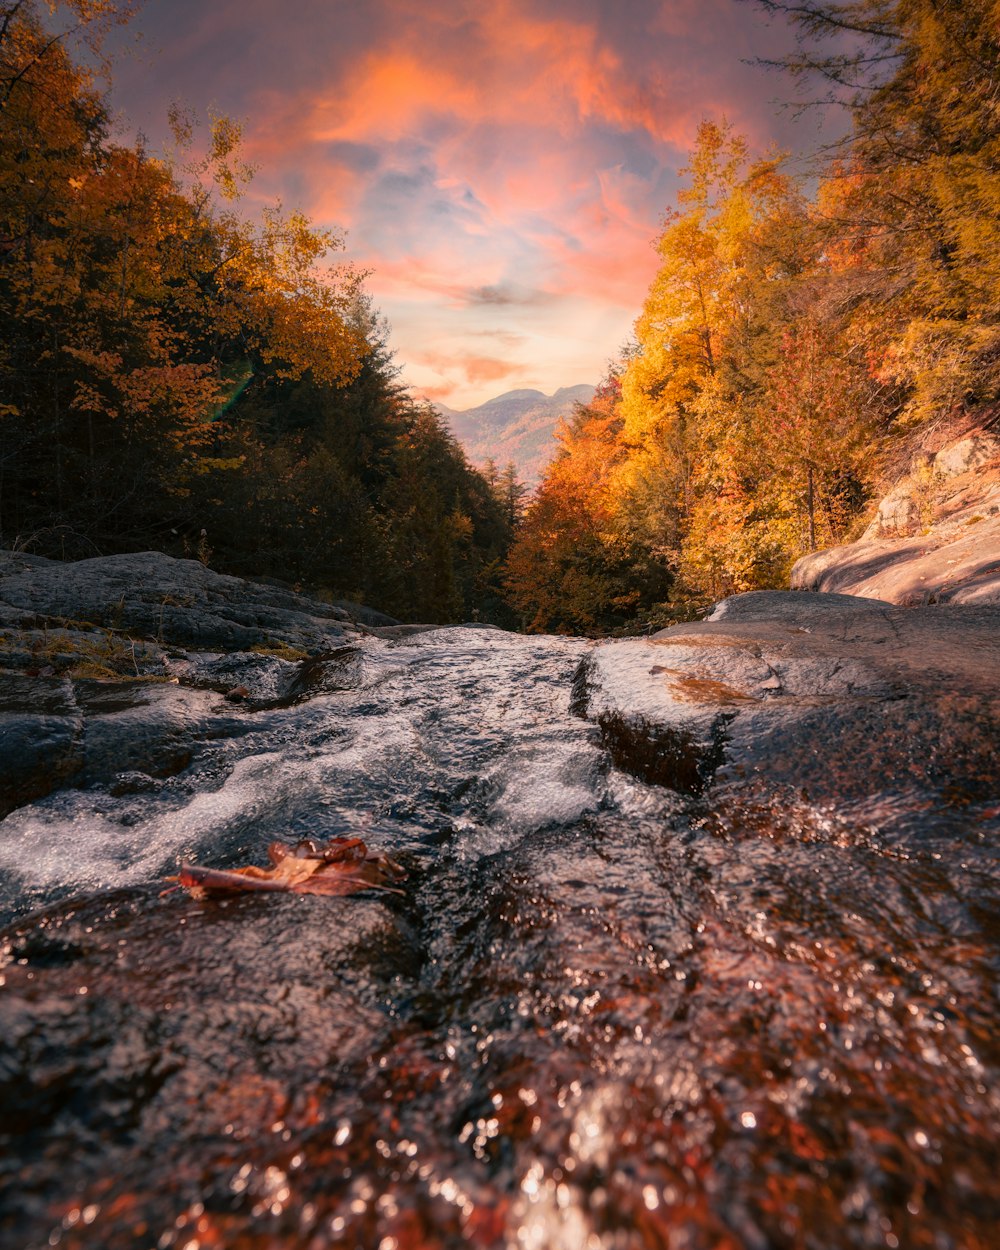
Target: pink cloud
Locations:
point(459, 375)
point(501, 165)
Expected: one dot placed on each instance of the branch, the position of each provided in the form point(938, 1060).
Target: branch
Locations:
point(37, 59)
point(8, 17)
point(815, 18)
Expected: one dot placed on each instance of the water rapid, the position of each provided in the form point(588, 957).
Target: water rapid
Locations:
point(601, 1016)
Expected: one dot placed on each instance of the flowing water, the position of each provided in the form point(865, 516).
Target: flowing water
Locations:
point(600, 1016)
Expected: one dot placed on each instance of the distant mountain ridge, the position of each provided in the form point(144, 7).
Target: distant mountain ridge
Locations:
point(519, 425)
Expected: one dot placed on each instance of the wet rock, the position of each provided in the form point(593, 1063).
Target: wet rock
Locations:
point(40, 738)
point(339, 669)
point(145, 727)
point(222, 1033)
point(262, 679)
point(94, 680)
point(834, 696)
point(57, 732)
point(603, 1037)
point(602, 1014)
point(399, 631)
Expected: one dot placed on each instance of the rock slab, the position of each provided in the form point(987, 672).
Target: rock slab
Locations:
point(934, 539)
point(130, 663)
point(827, 697)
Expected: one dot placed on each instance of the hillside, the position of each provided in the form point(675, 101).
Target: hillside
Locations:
point(518, 426)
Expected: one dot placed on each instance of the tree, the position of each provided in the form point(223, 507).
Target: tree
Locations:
point(127, 299)
point(730, 259)
point(510, 492)
point(918, 200)
point(572, 568)
point(820, 427)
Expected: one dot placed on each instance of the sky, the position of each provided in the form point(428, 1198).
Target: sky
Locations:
point(500, 166)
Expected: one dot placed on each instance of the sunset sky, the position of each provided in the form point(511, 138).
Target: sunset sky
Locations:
point(500, 165)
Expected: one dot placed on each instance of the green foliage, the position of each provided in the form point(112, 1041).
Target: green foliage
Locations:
point(356, 491)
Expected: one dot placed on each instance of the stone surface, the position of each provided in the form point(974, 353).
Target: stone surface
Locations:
point(40, 737)
point(178, 602)
point(759, 1014)
point(94, 681)
point(958, 563)
point(832, 696)
point(934, 539)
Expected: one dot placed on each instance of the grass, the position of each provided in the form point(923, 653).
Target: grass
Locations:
point(98, 655)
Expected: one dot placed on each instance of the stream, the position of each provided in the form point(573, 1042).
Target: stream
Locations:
point(601, 1016)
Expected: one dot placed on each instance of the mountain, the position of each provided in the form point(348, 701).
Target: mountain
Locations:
point(518, 425)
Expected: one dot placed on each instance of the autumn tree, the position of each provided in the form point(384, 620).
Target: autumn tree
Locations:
point(571, 568)
point(731, 255)
point(916, 202)
point(178, 373)
point(127, 298)
point(787, 344)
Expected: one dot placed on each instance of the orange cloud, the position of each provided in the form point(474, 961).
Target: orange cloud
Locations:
point(500, 165)
point(506, 67)
point(471, 367)
point(499, 102)
point(487, 368)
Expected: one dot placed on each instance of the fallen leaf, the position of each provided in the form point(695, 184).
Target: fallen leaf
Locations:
point(339, 866)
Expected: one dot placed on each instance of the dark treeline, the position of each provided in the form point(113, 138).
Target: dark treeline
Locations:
point(794, 347)
point(174, 375)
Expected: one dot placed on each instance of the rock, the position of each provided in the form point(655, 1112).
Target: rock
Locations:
point(155, 729)
point(57, 732)
point(363, 614)
point(789, 691)
point(787, 612)
point(967, 454)
point(41, 745)
point(171, 1016)
point(92, 681)
point(898, 515)
point(600, 1013)
point(178, 602)
point(958, 564)
point(262, 680)
point(935, 537)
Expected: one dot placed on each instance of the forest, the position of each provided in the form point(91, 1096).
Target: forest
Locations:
point(175, 374)
point(800, 334)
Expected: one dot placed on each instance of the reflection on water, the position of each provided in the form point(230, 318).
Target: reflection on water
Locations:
point(602, 1017)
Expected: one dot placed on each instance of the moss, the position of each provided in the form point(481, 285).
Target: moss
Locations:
point(114, 655)
point(93, 669)
point(281, 650)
